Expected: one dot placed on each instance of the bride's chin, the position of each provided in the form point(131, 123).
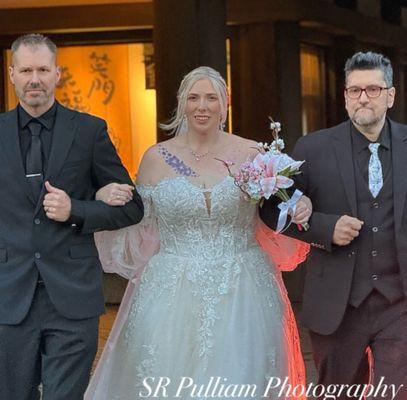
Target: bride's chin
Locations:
point(204, 129)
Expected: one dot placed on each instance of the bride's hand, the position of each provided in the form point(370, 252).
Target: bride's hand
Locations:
point(303, 211)
point(115, 194)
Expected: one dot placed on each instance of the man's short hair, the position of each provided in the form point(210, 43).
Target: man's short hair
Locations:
point(33, 40)
point(369, 61)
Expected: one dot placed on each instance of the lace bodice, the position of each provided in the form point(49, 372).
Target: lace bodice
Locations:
point(201, 223)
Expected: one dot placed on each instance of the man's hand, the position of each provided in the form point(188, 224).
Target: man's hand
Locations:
point(303, 210)
point(346, 229)
point(115, 194)
point(57, 204)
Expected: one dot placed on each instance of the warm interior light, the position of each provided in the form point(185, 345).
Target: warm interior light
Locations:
point(108, 81)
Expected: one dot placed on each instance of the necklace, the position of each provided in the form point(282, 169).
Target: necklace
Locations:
point(197, 156)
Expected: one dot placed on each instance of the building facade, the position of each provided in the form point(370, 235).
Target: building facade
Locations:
point(124, 59)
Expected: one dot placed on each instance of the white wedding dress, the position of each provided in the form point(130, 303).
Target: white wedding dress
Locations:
point(204, 301)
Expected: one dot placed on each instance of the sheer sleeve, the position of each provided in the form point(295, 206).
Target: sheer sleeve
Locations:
point(127, 251)
point(285, 252)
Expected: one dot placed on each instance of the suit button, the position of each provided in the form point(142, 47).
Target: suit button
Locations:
point(375, 229)
point(37, 255)
point(351, 254)
point(374, 253)
point(375, 277)
point(37, 221)
point(376, 205)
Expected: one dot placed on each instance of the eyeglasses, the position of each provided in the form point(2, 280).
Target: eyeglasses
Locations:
point(372, 91)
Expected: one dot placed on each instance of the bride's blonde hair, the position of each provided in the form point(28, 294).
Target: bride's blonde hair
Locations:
point(176, 125)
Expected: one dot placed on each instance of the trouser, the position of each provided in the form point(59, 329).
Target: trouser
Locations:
point(341, 358)
point(46, 348)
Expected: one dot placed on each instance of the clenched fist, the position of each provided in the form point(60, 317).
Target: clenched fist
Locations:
point(57, 204)
point(346, 229)
point(303, 211)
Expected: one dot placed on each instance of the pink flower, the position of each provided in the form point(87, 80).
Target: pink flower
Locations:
point(229, 163)
point(271, 181)
point(267, 163)
point(272, 184)
point(258, 163)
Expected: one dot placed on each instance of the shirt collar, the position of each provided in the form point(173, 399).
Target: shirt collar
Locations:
point(360, 142)
point(46, 119)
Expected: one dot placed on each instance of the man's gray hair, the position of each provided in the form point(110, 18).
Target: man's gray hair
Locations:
point(369, 61)
point(33, 40)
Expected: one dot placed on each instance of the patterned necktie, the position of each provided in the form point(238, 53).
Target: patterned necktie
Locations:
point(34, 159)
point(375, 170)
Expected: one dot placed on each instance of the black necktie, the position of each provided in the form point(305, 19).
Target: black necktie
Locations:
point(34, 159)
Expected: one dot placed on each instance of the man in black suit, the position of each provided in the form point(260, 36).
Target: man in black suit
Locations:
point(53, 162)
point(356, 283)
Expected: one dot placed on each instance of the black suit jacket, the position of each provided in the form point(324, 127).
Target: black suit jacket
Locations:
point(82, 160)
point(328, 178)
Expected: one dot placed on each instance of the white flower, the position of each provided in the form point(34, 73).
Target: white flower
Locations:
point(275, 126)
point(278, 144)
point(254, 188)
point(285, 161)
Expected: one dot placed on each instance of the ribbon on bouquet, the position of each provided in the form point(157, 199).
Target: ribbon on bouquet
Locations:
point(286, 207)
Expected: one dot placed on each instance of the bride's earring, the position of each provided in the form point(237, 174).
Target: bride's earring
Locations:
point(184, 124)
point(221, 124)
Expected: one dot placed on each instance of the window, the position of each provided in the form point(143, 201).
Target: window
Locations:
point(313, 88)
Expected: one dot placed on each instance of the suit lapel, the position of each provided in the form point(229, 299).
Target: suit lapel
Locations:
point(344, 157)
point(9, 138)
point(399, 163)
point(62, 137)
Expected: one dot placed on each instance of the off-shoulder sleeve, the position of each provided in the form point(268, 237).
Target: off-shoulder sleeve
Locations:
point(285, 252)
point(127, 251)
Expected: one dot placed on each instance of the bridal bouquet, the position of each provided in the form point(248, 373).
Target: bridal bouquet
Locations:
point(269, 175)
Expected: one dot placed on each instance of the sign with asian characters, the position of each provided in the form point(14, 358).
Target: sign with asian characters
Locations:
point(94, 79)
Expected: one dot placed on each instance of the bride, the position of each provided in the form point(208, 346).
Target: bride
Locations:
point(206, 313)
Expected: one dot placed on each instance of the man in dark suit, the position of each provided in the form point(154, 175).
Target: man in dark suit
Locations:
point(356, 283)
point(53, 162)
